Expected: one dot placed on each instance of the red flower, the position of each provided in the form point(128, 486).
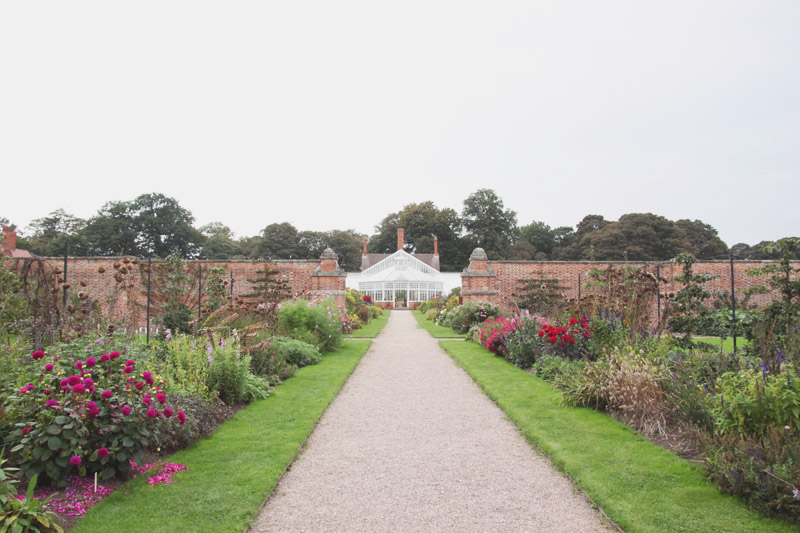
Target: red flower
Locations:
point(130, 362)
point(78, 364)
point(90, 362)
point(48, 367)
point(93, 413)
point(73, 380)
point(541, 333)
point(104, 358)
point(148, 377)
point(102, 453)
point(126, 410)
point(139, 385)
point(75, 460)
point(107, 394)
point(181, 417)
point(127, 370)
point(80, 388)
point(573, 321)
point(113, 355)
point(167, 412)
point(161, 397)
point(151, 412)
point(38, 354)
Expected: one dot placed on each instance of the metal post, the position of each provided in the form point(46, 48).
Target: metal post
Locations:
point(149, 270)
point(199, 290)
point(64, 296)
point(231, 287)
point(579, 289)
point(733, 306)
point(658, 290)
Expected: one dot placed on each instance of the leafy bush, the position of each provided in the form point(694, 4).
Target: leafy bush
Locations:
point(557, 369)
point(90, 415)
point(524, 345)
point(295, 352)
point(255, 388)
point(461, 318)
point(754, 400)
point(202, 417)
point(184, 364)
point(625, 382)
point(267, 363)
point(227, 372)
point(764, 470)
point(30, 513)
point(492, 334)
point(315, 322)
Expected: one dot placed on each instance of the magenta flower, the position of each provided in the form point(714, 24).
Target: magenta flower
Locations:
point(78, 364)
point(147, 401)
point(127, 370)
point(148, 377)
point(88, 382)
point(75, 460)
point(90, 362)
point(181, 417)
point(91, 405)
point(38, 354)
point(106, 394)
point(161, 397)
point(80, 388)
point(48, 367)
point(104, 358)
point(152, 412)
point(52, 402)
point(93, 412)
point(139, 385)
point(113, 355)
point(73, 380)
point(102, 453)
point(167, 412)
point(26, 429)
point(130, 362)
point(126, 410)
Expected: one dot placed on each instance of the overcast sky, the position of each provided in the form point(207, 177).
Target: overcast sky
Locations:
point(332, 114)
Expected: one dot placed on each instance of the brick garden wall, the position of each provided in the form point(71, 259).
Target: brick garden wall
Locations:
point(499, 282)
point(122, 291)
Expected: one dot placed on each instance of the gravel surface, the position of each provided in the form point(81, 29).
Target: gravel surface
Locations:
point(412, 444)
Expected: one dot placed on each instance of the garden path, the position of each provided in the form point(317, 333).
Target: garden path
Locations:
point(412, 444)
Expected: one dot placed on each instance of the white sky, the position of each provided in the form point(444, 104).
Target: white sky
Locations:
point(333, 114)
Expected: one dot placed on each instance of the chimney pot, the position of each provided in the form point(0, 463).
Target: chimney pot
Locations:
point(400, 238)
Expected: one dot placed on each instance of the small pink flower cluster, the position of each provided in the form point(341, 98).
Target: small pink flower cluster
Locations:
point(77, 499)
point(165, 473)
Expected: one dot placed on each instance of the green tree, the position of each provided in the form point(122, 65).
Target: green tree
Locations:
point(703, 238)
point(491, 225)
point(540, 237)
point(635, 237)
point(13, 304)
point(219, 242)
point(280, 241)
point(49, 235)
point(150, 225)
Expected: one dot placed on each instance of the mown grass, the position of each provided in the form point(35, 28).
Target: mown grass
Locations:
point(727, 344)
point(371, 330)
point(640, 486)
point(233, 471)
point(437, 332)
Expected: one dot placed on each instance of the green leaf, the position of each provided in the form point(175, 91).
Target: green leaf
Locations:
point(53, 429)
point(43, 520)
point(31, 486)
point(108, 473)
point(61, 420)
point(54, 443)
point(127, 442)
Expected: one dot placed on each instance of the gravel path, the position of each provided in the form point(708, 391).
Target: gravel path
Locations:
point(412, 444)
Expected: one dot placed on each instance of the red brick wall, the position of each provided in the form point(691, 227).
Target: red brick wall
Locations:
point(497, 281)
point(115, 297)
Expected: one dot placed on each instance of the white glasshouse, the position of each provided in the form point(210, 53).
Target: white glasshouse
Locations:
point(400, 276)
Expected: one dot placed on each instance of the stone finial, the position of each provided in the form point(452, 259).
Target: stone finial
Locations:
point(478, 254)
point(329, 254)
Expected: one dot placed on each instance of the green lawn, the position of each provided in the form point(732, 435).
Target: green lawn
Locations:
point(233, 471)
point(727, 344)
point(437, 332)
point(371, 330)
point(640, 486)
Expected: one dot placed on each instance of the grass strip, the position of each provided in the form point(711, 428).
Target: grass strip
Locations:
point(436, 331)
point(639, 485)
point(727, 344)
point(371, 329)
point(233, 471)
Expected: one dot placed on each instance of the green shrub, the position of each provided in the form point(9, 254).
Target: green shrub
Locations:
point(29, 514)
point(84, 415)
point(267, 363)
point(316, 322)
point(295, 352)
point(184, 364)
point(255, 388)
point(523, 345)
point(463, 317)
point(227, 373)
point(754, 400)
point(202, 417)
point(557, 369)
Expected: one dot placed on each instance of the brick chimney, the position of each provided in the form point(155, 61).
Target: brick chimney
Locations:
point(400, 238)
point(9, 238)
point(435, 246)
point(365, 247)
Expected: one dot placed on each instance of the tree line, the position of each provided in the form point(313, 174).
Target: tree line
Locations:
point(158, 226)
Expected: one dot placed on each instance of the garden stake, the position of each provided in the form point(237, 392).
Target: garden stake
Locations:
point(733, 306)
